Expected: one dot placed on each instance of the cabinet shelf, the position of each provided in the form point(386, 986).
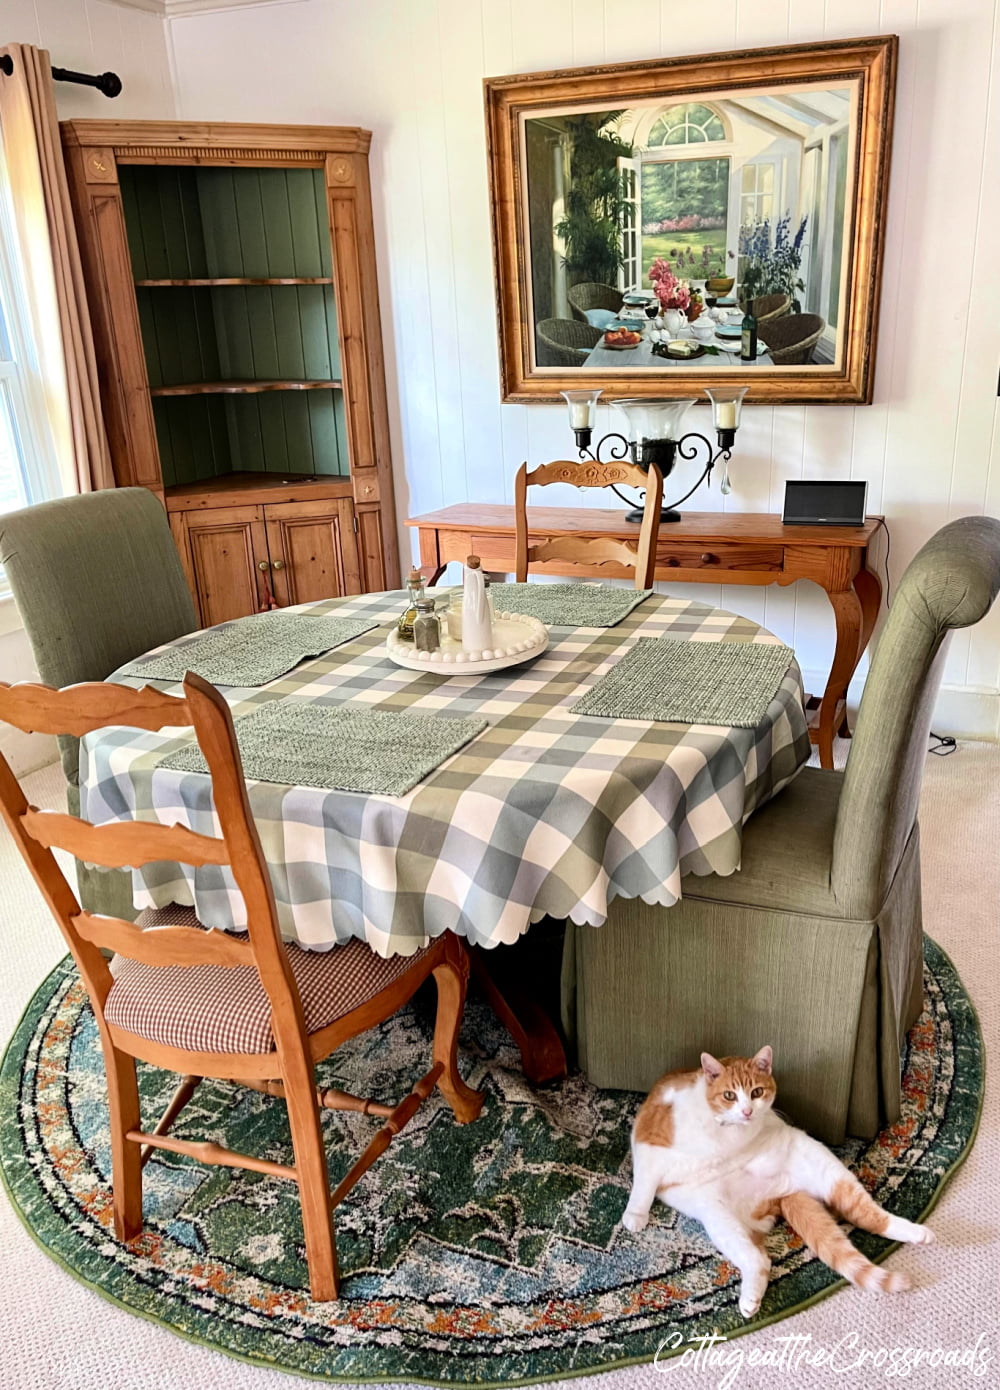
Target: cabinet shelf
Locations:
point(205, 388)
point(245, 280)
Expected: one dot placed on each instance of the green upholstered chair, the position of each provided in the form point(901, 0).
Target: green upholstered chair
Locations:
point(98, 581)
point(815, 944)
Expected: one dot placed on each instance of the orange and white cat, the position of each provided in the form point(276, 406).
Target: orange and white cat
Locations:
point(709, 1144)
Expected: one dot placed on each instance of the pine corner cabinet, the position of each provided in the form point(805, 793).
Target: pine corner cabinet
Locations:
point(231, 278)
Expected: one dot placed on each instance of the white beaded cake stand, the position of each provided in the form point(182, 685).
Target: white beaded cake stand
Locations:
point(516, 637)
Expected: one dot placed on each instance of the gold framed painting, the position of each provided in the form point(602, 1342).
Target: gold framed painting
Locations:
point(719, 220)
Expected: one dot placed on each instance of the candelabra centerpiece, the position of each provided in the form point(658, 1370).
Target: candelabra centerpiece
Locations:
point(655, 434)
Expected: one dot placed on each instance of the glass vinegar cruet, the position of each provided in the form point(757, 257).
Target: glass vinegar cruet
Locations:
point(415, 589)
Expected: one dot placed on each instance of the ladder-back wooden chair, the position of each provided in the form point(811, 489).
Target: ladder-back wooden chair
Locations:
point(241, 1007)
point(590, 552)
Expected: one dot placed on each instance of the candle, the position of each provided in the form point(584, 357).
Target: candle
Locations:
point(725, 418)
point(579, 415)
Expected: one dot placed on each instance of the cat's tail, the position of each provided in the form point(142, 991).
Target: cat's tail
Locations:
point(829, 1242)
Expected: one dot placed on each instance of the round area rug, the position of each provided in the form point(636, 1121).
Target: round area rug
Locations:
point(485, 1253)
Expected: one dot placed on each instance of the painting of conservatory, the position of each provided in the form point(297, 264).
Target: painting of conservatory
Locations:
point(656, 228)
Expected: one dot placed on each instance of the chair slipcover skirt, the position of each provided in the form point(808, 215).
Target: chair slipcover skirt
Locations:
point(653, 987)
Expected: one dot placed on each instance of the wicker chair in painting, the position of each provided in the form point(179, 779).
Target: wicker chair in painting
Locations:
point(790, 340)
point(768, 307)
point(593, 551)
point(241, 1007)
point(565, 342)
point(591, 294)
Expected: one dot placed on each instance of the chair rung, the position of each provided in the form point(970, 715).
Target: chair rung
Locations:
point(213, 1154)
point(329, 1098)
point(401, 1116)
point(185, 1090)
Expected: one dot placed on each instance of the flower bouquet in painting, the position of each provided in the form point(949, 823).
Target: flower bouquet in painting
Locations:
point(673, 293)
point(770, 262)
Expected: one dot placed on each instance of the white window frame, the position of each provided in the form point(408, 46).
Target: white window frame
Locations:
point(630, 271)
point(22, 387)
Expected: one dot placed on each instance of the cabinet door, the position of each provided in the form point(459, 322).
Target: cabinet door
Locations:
point(313, 550)
point(224, 549)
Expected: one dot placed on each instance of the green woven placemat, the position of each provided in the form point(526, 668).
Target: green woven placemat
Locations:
point(251, 651)
point(728, 683)
point(568, 605)
point(381, 752)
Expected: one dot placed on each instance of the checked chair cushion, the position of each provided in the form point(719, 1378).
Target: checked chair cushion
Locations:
point(213, 1008)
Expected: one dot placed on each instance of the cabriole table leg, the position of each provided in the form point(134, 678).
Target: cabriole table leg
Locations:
point(855, 610)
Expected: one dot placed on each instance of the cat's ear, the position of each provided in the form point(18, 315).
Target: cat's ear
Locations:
point(763, 1060)
point(711, 1068)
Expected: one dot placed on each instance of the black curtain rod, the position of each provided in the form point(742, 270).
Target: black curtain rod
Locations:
point(107, 82)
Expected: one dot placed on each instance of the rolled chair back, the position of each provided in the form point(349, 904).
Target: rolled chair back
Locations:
point(951, 583)
point(98, 581)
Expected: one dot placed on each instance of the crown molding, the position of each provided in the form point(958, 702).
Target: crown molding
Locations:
point(178, 9)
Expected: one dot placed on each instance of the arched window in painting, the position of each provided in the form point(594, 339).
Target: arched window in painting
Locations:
point(689, 124)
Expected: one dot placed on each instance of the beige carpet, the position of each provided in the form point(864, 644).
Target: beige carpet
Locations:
point(57, 1335)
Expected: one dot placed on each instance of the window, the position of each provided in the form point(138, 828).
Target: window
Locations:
point(690, 124)
point(685, 206)
point(28, 471)
point(756, 194)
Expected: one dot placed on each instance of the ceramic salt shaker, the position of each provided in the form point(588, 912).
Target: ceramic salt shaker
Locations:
point(477, 628)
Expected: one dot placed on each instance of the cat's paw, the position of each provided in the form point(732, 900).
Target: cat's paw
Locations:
point(635, 1221)
point(753, 1286)
point(764, 1224)
point(911, 1232)
point(749, 1304)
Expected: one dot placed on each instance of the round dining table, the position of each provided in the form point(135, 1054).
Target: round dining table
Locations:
point(545, 813)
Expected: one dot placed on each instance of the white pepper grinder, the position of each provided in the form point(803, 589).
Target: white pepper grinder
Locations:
point(477, 628)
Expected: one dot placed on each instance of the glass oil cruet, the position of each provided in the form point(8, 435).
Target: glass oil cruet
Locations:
point(415, 590)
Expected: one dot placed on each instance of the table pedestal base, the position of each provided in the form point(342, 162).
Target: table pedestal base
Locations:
point(543, 1057)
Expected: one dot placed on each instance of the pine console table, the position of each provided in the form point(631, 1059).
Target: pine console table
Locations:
point(701, 548)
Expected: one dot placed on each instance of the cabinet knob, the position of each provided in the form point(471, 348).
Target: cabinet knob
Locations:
point(708, 559)
point(263, 564)
point(277, 564)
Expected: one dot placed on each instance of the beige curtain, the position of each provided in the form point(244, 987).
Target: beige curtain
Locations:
point(50, 256)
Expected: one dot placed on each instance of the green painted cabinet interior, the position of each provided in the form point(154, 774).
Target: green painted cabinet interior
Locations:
point(186, 223)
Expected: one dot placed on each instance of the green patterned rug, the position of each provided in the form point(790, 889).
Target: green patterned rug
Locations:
point(484, 1254)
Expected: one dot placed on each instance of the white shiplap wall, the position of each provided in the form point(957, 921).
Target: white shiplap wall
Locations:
point(412, 73)
point(88, 36)
point(98, 36)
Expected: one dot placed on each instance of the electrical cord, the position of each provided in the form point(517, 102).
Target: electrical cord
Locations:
point(888, 546)
point(945, 744)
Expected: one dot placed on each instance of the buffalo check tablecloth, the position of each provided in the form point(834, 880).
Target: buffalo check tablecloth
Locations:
point(545, 813)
